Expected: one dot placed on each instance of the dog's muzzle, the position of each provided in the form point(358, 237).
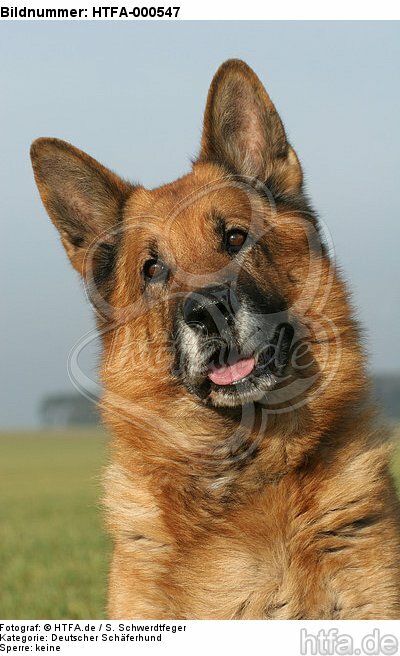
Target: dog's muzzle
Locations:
point(227, 352)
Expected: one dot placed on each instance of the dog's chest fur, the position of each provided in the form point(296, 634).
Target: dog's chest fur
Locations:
point(279, 549)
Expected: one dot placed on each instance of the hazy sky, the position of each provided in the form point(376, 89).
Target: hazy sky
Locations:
point(132, 95)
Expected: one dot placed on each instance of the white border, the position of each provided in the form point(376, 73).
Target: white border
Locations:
point(208, 638)
point(223, 9)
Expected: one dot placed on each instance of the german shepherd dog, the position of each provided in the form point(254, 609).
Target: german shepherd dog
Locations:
point(250, 474)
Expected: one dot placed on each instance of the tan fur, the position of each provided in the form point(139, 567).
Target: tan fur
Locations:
point(287, 514)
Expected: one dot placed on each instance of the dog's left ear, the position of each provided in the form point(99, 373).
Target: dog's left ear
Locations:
point(243, 131)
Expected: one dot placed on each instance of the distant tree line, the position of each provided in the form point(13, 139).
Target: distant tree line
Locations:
point(72, 409)
point(387, 393)
point(68, 409)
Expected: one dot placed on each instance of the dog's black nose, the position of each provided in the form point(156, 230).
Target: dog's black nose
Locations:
point(211, 310)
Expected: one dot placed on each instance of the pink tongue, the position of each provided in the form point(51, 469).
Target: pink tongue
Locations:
point(226, 375)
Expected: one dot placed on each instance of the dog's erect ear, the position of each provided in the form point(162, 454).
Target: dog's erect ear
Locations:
point(243, 131)
point(82, 197)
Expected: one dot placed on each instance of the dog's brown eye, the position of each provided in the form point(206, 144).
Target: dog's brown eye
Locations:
point(155, 270)
point(235, 240)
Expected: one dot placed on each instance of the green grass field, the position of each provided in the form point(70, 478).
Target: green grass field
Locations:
point(53, 551)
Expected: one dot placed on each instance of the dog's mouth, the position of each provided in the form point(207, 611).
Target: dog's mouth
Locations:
point(227, 367)
point(231, 374)
point(234, 377)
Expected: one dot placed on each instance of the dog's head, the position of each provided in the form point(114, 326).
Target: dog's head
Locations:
point(217, 286)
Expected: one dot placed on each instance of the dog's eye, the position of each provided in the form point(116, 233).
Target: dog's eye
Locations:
point(155, 270)
point(234, 240)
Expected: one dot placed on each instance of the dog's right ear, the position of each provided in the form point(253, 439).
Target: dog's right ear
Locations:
point(82, 197)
